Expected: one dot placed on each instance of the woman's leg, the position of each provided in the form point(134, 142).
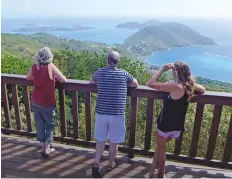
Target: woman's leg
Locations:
point(154, 162)
point(49, 116)
point(161, 155)
point(40, 125)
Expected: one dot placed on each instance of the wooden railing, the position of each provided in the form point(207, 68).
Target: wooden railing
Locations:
point(218, 99)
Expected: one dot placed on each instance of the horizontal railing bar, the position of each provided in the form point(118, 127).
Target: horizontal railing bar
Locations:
point(209, 97)
point(125, 149)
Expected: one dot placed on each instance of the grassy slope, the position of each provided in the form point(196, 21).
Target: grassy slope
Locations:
point(27, 45)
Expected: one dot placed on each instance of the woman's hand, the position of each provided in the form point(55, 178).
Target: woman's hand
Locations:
point(167, 67)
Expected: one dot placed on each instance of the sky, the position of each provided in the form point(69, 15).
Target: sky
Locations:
point(116, 8)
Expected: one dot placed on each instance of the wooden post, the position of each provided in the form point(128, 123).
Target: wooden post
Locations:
point(75, 114)
point(149, 121)
point(133, 118)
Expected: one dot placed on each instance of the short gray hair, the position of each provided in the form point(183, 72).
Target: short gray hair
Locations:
point(113, 58)
point(43, 56)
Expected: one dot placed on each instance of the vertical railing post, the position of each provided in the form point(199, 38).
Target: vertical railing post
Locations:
point(16, 105)
point(196, 129)
point(149, 121)
point(133, 117)
point(75, 114)
point(27, 108)
point(228, 146)
point(63, 127)
point(6, 105)
point(214, 131)
point(87, 97)
point(178, 143)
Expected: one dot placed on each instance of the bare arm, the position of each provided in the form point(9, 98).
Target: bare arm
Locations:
point(154, 79)
point(29, 75)
point(199, 88)
point(134, 83)
point(167, 87)
point(92, 81)
point(58, 75)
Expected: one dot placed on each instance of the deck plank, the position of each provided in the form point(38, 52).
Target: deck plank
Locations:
point(21, 158)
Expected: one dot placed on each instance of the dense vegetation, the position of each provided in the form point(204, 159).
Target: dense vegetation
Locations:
point(81, 65)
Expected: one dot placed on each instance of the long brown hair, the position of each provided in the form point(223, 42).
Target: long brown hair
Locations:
point(183, 75)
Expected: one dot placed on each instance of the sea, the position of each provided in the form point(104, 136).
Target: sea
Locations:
point(213, 62)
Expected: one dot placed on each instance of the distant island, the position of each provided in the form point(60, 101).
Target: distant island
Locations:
point(162, 36)
point(47, 28)
point(31, 24)
point(137, 25)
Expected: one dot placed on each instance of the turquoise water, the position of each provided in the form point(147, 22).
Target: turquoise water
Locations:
point(214, 62)
point(205, 61)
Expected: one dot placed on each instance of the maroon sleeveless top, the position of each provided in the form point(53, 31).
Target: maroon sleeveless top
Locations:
point(44, 88)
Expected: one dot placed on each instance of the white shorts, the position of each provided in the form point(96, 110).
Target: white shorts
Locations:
point(166, 135)
point(109, 126)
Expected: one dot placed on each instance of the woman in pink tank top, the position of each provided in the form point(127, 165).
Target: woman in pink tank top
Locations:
point(43, 74)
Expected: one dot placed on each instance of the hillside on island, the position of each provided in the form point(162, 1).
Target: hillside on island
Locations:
point(155, 36)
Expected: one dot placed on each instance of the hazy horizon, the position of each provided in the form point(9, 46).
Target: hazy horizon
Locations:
point(108, 8)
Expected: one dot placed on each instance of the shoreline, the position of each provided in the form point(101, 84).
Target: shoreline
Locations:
point(171, 48)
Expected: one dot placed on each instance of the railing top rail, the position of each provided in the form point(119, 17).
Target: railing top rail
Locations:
point(209, 97)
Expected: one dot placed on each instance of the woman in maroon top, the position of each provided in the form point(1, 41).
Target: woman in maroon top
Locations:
point(43, 74)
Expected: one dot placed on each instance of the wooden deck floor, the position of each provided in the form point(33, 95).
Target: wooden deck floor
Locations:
point(21, 158)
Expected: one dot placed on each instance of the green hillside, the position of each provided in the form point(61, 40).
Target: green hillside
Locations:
point(27, 45)
point(163, 37)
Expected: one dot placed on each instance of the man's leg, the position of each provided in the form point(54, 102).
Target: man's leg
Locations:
point(117, 130)
point(100, 134)
point(113, 150)
point(99, 150)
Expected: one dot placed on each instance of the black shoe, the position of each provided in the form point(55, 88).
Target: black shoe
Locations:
point(44, 155)
point(95, 171)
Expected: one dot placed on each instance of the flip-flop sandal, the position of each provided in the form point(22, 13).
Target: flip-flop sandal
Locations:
point(52, 149)
point(95, 171)
point(157, 167)
point(110, 168)
point(155, 176)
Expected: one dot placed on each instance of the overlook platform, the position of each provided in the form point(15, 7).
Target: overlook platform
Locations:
point(21, 159)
